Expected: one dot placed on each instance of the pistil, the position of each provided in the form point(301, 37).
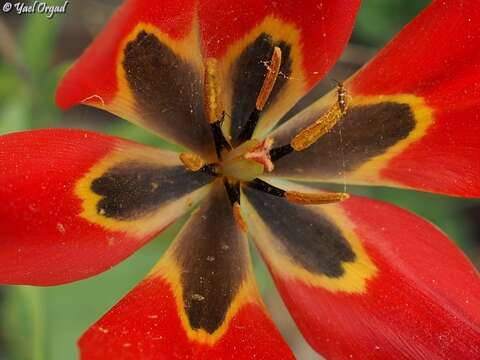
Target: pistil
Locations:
point(249, 160)
point(261, 154)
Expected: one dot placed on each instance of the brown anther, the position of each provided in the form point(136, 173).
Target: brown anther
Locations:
point(213, 103)
point(237, 215)
point(270, 79)
point(315, 198)
point(192, 161)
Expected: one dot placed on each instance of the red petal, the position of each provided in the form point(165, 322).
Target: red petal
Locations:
point(146, 325)
point(53, 228)
point(163, 88)
point(146, 67)
point(199, 302)
point(316, 33)
point(435, 58)
point(324, 28)
point(95, 73)
point(421, 299)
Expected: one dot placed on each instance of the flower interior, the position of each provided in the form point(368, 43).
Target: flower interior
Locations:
point(242, 162)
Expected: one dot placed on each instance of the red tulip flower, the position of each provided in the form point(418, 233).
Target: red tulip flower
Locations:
point(362, 278)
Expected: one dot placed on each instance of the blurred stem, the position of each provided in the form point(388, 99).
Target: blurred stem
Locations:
point(34, 306)
point(24, 323)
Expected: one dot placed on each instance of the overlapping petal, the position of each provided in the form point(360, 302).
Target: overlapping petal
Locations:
point(199, 302)
point(242, 35)
point(148, 64)
point(146, 67)
point(413, 114)
point(361, 278)
point(75, 203)
point(368, 280)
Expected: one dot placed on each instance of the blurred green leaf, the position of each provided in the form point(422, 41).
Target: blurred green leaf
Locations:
point(14, 115)
point(23, 323)
point(9, 82)
point(37, 42)
point(136, 133)
point(71, 309)
point(379, 20)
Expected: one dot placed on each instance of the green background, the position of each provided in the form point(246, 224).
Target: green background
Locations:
point(45, 323)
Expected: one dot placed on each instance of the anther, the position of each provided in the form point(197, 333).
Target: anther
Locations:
point(270, 79)
point(273, 69)
point(310, 135)
point(213, 105)
point(192, 161)
point(315, 198)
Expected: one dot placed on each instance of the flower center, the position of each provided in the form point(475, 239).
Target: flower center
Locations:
point(243, 163)
point(247, 162)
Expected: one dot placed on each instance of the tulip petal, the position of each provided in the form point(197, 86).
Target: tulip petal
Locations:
point(242, 35)
point(146, 67)
point(406, 293)
point(414, 114)
point(199, 302)
point(75, 203)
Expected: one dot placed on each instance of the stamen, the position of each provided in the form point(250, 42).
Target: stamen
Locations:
point(280, 152)
point(310, 135)
point(218, 137)
point(237, 215)
point(273, 70)
point(266, 188)
point(233, 191)
point(192, 161)
point(211, 169)
point(342, 98)
point(213, 105)
point(315, 199)
point(270, 78)
point(299, 197)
